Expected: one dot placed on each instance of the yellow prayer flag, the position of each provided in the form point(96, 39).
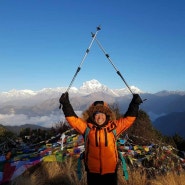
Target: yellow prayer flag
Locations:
point(49, 158)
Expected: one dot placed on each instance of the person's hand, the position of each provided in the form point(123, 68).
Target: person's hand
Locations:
point(64, 99)
point(137, 99)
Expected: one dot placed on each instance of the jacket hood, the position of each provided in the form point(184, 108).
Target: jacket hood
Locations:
point(98, 106)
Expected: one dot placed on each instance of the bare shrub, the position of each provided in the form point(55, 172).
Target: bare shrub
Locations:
point(57, 173)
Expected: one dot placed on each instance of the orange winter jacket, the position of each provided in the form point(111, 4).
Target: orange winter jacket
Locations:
point(101, 151)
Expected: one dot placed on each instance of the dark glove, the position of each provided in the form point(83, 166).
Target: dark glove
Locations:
point(136, 99)
point(64, 99)
point(134, 106)
point(67, 107)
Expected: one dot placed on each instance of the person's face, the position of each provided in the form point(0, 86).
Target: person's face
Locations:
point(100, 118)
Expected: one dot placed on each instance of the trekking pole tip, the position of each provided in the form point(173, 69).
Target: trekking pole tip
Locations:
point(98, 27)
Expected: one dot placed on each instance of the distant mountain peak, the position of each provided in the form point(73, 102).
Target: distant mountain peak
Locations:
point(91, 84)
point(165, 93)
point(94, 86)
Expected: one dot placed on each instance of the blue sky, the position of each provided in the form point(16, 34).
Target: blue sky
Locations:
point(42, 42)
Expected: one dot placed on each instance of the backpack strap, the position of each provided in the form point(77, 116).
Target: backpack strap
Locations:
point(79, 163)
point(79, 166)
point(114, 132)
point(124, 165)
point(86, 134)
point(123, 162)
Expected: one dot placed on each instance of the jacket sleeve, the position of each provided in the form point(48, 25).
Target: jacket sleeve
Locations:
point(77, 123)
point(130, 116)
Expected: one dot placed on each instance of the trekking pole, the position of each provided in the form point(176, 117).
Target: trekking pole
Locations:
point(107, 55)
point(79, 67)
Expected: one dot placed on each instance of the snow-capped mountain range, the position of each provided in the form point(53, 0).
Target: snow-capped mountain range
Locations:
point(19, 107)
point(88, 87)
